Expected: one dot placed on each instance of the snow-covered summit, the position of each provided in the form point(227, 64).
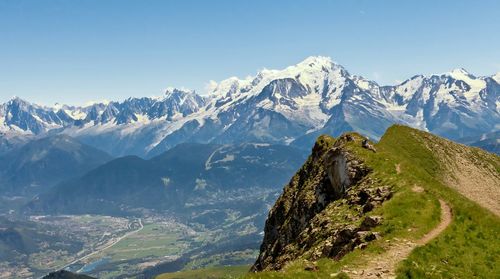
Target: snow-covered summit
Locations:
point(458, 73)
point(309, 71)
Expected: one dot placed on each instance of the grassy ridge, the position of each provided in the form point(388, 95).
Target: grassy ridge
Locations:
point(468, 248)
point(227, 272)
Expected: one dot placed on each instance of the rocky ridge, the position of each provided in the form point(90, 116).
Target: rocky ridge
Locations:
point(325, 209)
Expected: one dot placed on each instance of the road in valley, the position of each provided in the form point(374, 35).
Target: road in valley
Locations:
point(113, 243)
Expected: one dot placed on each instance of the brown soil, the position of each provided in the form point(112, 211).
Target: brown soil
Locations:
point(384, 265)
point(417, 189)
point(398, 168)
point(476, 183)
point(472, 172)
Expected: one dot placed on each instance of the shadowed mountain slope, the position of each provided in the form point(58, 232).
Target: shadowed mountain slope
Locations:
point(40, 164)
point(187, 175)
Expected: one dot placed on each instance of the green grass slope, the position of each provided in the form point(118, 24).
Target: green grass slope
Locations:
point(226, 272)
point(421, 169)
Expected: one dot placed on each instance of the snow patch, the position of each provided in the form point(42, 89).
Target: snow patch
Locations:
point(476, 84)
point(496, 77)
point(76, 114)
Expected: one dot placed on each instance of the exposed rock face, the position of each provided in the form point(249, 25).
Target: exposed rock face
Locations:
point(322, 211)
point(342, 169)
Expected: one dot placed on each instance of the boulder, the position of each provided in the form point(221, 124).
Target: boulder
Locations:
point(370, 222)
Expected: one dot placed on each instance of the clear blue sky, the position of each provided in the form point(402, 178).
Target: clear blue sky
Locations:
point(75, 51)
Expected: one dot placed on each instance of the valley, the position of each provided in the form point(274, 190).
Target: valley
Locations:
point(193, 206)
point(116, 246)
point(155, 242)
point(59, 240)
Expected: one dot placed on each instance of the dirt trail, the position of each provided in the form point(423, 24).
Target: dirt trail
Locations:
point(384, 265)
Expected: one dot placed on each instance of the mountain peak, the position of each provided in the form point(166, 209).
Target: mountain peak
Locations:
point(229, 86)
point(460, 74)
point(319, 60)
point(317, 66)
point(459, 71)
point(476, 84)
point(177, 91)
point(17, 100)
point(312, 66)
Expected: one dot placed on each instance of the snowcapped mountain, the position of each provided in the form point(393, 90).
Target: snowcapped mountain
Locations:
point(26, 118)
point(455, 104)
point(290, 106)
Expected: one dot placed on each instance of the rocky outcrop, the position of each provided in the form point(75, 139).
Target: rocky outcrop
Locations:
point(366, 144)
point(324, 210)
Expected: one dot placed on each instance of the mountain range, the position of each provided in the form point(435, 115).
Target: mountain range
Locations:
point(188, 178)
point(42, 163)
point(226, 189)
point(290, 106)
